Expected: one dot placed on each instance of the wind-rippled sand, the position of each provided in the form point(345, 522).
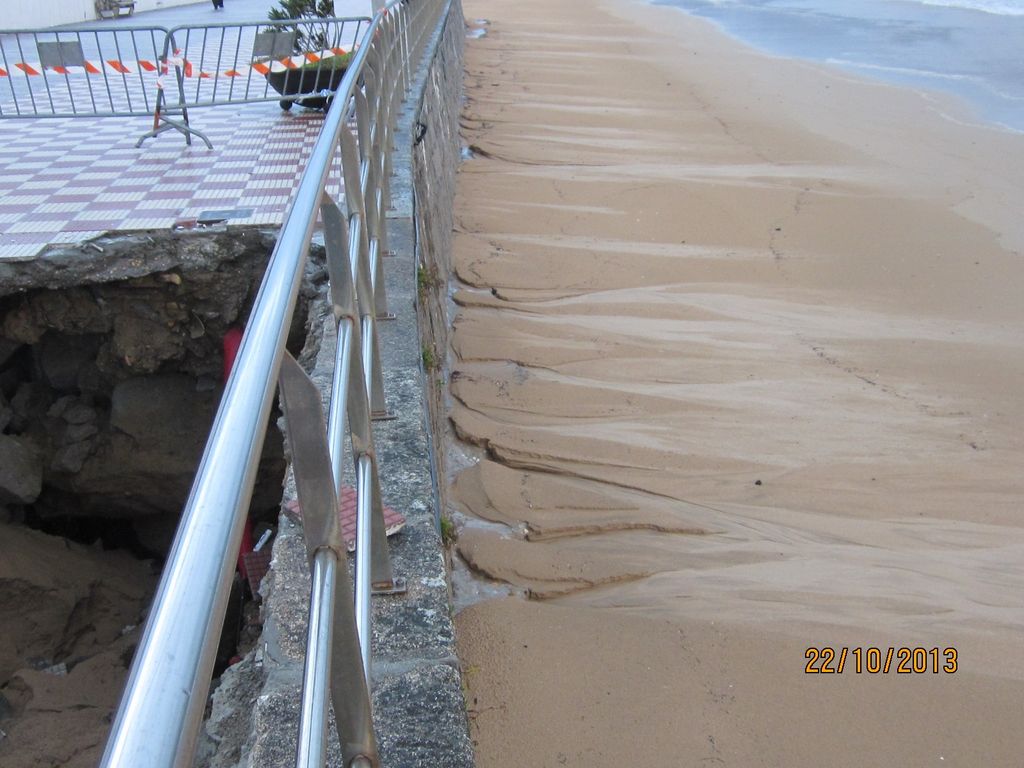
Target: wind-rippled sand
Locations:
point(740, 343)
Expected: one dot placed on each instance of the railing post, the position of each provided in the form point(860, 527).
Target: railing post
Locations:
point(350, 381)
point(334, 659)
point(356, 203)
point(346, 318)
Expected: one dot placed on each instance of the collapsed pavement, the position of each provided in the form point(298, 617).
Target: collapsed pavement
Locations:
point(112, 360)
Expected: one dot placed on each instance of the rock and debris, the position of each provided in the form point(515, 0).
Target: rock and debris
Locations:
point(111, 369)
point(70, 616)
point(108, 389)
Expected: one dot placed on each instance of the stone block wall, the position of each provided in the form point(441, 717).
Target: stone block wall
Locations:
point(436, 157)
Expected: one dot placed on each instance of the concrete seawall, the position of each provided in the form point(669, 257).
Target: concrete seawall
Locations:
point(436, 157)
point(417, 689)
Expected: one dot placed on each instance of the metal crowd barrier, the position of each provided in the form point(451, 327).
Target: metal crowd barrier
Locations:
point(100, 71)
point(245, 62)
point(153, 71)
point(161, 711)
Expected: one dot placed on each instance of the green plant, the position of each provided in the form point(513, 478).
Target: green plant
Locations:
point(330, 62)
point(426, 278)
point(308, 37)
point(429, 361)
point(326, 64)
point(448, 532)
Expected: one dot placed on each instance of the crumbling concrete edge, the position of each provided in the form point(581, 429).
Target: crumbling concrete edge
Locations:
point(419, 710)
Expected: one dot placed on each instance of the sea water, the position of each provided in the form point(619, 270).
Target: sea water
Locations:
point(971, 48)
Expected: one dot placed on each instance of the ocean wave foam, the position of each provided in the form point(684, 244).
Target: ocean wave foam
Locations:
point(897, 70)
point(998, 7)
point(978, 82)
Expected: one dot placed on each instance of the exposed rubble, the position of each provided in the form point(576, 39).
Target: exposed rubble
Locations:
point(112, 363)
point(108, 388)
point(70, 617)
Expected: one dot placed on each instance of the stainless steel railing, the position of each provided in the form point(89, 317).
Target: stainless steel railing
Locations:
point(160, 714)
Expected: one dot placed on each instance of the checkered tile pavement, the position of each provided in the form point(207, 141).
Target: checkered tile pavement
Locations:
point(69, 180)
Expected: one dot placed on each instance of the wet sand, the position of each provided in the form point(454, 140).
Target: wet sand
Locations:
point(69, 624)
point(739, 348)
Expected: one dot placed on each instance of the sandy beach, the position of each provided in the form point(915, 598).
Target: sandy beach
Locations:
point(738, 359)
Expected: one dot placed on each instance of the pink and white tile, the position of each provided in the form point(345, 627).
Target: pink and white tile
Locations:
point(68, 180)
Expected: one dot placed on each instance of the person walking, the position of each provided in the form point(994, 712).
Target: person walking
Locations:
point(218, 4)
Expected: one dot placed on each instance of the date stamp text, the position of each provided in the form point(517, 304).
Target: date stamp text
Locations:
point(874, 661)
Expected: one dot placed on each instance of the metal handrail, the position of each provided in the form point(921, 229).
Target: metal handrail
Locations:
point(160, 714)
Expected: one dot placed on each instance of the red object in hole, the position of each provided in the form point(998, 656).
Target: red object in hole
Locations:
point(232, 341)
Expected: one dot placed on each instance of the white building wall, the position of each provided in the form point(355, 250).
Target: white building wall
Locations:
point(152, 5)
point(29, 14)
point(344, 8)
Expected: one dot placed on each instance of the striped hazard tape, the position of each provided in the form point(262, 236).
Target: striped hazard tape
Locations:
point(177, 60)
point(90, 68)
point(279, 65)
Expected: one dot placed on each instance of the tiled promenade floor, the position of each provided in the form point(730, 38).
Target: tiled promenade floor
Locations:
point(68, 180)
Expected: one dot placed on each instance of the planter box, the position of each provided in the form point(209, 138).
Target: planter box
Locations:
point(313, 81)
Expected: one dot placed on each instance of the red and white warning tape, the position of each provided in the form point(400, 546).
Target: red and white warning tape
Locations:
point(279, 65)
point(177, 60)
point(119, 67)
